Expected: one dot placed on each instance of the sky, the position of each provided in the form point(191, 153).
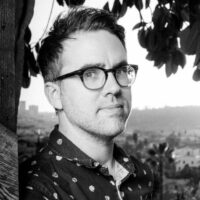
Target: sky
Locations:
point(152, 89)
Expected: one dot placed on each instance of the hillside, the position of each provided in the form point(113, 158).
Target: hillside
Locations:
point(166, 119)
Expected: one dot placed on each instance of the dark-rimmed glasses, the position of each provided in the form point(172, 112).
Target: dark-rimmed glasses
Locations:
point(94, 78)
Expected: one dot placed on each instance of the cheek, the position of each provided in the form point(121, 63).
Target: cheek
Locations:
point(77, 99)
point(128, 98)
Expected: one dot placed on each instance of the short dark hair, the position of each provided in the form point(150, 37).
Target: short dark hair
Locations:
point(77, 19)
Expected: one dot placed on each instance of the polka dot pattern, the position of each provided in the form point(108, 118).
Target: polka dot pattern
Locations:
point(35, 175)
point(112, 183)
point(130, 189)
point(96, 183)
point(71, 196)
point(78, 165)
point(122, 194)
point(125, 159)
point(55, 174)
point(33, 162)
point(107, 197)
point(55, 195)
point(45, 198)
point(59, 141)
point(29, 187)
point(91, 188)
point(139, 186)
point(74, 180)
point(55, 183)
point(96, 164)
point(59, 158)
point(150, 184)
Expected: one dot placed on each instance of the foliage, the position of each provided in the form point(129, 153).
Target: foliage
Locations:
point(159, 156)
point(160, 36)
point(172, 32)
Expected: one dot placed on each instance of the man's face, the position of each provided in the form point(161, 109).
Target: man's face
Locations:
point(103, 112)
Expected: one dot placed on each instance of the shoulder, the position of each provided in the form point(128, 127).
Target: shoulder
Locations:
point(35, 178)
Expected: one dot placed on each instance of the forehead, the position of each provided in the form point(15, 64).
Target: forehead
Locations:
point(90, 48)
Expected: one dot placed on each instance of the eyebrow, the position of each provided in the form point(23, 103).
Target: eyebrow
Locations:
point(121, 63)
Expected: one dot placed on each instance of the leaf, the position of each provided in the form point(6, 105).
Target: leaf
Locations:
point(162, 147)
point(106, 7)
point(138, 25)
point(151, 152)
point(123, 9)
point(60, 2)
point(27, 35)
point(197, 58)
point(189, 37)
point(116, 8)
point(185, 15)
point(178, 58)
point(31, 62)
point(147, 3)
point(149, 56)
point(139, 4)
point(72, 3)
point(142, 37)
point(196, 75)
point(37, 47)
point(168, 67)
point(130, 3)
point(158, 63)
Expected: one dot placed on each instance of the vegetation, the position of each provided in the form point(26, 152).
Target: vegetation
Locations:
point(171, 33)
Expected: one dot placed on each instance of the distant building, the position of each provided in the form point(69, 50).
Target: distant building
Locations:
point(22, 106)
point(33, 110)
point(187, 156)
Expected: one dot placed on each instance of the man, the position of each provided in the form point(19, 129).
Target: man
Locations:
point(88, 82)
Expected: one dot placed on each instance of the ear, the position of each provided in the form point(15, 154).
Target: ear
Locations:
point(52, 92)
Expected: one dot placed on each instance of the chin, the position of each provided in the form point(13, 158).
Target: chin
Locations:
point(113, 129)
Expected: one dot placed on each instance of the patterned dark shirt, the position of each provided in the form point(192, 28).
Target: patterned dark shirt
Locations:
point(62, 171)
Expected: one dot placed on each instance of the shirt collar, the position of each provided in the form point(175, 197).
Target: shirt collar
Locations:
point(65, 148)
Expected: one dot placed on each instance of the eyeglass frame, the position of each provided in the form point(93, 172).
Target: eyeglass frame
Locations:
point(80, 73)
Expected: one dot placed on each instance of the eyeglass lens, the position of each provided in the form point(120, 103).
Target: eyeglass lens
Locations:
point(95, 78)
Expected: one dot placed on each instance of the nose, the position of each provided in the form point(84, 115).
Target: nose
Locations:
point(111, 86)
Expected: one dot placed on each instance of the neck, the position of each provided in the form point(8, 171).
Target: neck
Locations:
point(95, 147)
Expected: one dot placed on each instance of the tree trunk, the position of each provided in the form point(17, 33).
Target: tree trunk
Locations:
point(161, 178)
point(7, 64)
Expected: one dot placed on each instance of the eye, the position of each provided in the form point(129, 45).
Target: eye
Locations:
point(91, 73)
point(122, 70)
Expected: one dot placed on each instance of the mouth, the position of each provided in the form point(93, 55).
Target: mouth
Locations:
point(114, 108)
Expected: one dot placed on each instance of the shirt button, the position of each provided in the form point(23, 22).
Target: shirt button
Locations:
point(96, 164)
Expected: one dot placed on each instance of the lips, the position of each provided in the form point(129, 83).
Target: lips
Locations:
point(114, 106)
